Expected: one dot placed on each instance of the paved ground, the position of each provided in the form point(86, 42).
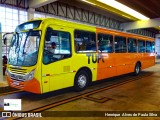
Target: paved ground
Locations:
point(139, 95)
point(3, 82)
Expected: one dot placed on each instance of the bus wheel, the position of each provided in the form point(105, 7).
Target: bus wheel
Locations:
point(81, 80)
point(137, 69)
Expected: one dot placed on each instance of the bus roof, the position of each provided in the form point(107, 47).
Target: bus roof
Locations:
point(90, 27)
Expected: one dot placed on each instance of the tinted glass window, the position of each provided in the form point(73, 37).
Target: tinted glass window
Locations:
point(148, 47)
point(153, 46)
point(132, 45)
point(85, 41)
point(105, 43)
point(141, 46)
point(120, 44)
point(57, 46)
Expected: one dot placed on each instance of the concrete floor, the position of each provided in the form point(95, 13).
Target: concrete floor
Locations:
point(139, 95)
point(142, 94)
point(3, 82)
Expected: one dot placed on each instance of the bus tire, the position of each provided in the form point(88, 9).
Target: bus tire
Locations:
point(137, 69)
point(81, 81)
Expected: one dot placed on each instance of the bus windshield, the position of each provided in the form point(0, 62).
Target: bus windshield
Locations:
point(24, 48)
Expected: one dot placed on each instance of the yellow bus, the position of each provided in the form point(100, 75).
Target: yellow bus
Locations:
point(50, 54)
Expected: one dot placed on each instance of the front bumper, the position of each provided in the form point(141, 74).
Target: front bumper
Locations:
point(27, 85)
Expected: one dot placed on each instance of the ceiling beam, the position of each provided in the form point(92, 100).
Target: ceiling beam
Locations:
point(141, 24)
point(39, 3)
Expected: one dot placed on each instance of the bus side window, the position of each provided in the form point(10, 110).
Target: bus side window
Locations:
point(105, 43)
point(132, 45)
point(57, 46)
point(120, 44)
point(153, 47)
point(141, 46)
point(148, 46)
point(84, 41)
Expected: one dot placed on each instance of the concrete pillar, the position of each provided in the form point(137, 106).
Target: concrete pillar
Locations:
point(157, 45)
point(1, 66)
point(31, 12)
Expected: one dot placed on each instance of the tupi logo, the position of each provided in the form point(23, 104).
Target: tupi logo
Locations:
point(95, 58)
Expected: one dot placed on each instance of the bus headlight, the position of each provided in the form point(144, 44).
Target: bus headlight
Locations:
point(31, 75)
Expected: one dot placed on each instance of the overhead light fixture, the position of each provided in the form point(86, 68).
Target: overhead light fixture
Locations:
point(88, 2)
point(124, 8)
point(126, 16)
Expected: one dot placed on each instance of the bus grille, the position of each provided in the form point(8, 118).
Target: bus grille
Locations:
point(18, 70)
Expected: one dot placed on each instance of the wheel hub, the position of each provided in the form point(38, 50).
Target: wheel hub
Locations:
point(137, 69)
point(82, 81)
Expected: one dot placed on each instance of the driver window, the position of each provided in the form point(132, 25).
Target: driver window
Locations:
point(57, 46)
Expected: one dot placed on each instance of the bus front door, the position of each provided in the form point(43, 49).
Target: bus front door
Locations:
point(56, 63)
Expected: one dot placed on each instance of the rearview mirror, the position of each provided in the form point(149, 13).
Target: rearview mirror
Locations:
point(6, 37)
point(4, 40)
